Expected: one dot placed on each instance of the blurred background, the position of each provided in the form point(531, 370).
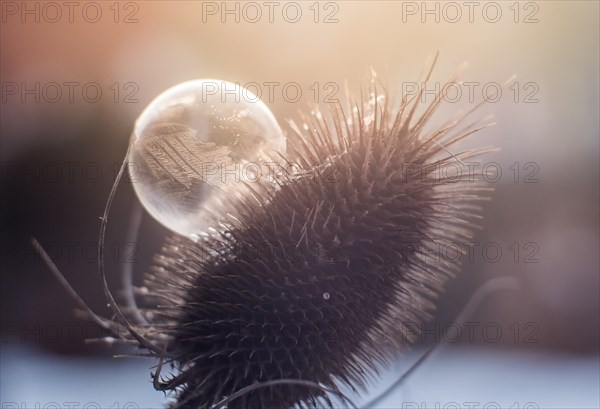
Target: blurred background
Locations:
point(75, 76)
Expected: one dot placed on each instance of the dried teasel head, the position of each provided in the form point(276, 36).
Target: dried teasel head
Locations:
point(313, 283)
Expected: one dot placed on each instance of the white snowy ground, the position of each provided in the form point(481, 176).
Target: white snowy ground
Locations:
point(453, 378)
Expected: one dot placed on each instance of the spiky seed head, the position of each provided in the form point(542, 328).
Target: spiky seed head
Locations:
point(323, 277)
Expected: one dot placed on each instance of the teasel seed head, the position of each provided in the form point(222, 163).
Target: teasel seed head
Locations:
point(322, 277)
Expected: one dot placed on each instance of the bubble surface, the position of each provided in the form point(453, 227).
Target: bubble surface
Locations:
point(197, 146)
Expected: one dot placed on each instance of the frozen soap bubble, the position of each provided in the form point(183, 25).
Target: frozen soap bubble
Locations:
point(197, 144)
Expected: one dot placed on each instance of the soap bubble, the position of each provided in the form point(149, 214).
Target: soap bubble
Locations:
point(196, 145)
